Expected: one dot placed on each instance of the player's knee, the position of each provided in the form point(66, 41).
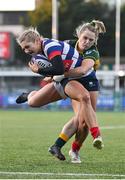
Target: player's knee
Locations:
point(82, 126)
point(84, 97)
point(32, 103)
point(87, 98)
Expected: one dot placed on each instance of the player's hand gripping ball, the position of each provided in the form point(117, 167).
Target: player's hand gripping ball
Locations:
point(37, 62)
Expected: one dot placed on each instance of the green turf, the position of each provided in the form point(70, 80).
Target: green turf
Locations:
point(26, 135)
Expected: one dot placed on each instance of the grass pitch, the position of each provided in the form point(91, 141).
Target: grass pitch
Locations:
point(25, 137)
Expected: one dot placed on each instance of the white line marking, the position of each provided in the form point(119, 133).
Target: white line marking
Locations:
point(61, 174)
point(113, 127)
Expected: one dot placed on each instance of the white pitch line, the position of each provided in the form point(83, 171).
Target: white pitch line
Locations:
point(60, 174)
point(113, 127)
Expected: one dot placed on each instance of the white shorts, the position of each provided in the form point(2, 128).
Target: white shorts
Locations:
point(60, 89)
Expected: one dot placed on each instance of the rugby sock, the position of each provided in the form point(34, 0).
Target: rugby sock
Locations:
point(95, 132)
point(76, 146)
point(61, 140)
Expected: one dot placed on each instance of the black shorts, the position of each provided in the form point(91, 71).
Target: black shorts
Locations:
point(89, 84)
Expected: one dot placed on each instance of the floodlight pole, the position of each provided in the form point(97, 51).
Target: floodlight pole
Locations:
point(117, 45)
point(54, 19)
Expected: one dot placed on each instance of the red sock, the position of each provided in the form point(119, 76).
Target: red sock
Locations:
point(95, 132)
point(75, 146)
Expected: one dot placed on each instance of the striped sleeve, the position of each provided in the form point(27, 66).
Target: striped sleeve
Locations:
point(52, 48)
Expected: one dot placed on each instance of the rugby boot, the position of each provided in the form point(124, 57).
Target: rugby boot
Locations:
point(22, 98)
point(98, 143)
point(56, 151)
point(74, 155)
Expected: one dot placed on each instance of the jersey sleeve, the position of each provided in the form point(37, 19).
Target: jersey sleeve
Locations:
point(52, 48)
point(93, 54)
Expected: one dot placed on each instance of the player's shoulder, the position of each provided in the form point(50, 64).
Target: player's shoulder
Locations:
point(71, 42)
point(47, 41)
point(92, 51)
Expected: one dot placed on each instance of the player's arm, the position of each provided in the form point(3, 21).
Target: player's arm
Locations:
point(48, 79)
point(53, 50)
point(76, 72)
point(90, 57)
point(57, 67)
point(86, 65)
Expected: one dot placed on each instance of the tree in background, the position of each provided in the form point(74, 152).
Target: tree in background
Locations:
point(42, 18)
point(76, 12)
point(71, 14)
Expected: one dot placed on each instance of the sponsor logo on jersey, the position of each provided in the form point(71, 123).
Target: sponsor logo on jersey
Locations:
point(88, 52)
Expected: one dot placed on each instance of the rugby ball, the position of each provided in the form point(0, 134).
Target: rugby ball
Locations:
point(41, 61)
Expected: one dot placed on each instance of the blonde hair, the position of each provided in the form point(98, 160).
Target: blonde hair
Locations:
point(95, 26)
point(29, 35)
